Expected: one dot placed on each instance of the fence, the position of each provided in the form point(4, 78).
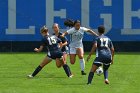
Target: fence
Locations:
point(20, 21)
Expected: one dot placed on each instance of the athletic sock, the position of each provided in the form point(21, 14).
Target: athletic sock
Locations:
point(90, 77)
point(82, 64)
point(106, 74)
point(37, 70)
point(67, 70)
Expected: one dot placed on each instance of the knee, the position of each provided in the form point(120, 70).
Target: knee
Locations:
point(72, 62)
point(93, 70)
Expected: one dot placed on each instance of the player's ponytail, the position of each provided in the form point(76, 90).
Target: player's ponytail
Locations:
point(69, 23)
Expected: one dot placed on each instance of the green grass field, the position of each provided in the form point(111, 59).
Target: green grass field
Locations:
point(124, 75)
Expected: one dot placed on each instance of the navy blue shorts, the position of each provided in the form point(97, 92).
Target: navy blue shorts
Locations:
point(55, 54)
point(99, 61)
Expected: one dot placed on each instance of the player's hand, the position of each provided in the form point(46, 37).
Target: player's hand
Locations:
point(88, 58)
point(62, 35)
point(36, 49)
point(61, 45)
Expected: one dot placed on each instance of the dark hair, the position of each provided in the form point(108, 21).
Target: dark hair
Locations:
point(76, 21)
point(101, 29)
point(69, 23)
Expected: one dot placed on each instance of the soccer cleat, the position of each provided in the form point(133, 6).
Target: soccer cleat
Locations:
point(71, 76)
point(88, 83)
point(83, 73)
point(106, 81)
point(30, 76)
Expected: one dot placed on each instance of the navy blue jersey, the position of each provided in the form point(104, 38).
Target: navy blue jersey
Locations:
point(104, 45)
point(63, 39)
point(52, 44)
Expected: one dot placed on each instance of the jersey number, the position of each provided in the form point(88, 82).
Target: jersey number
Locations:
point(104, 42)
point(51, 40)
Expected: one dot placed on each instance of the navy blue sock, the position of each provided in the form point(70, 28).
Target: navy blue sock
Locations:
point(106, 74)
point(37, 70)
point(90, 77)
point(67, 70)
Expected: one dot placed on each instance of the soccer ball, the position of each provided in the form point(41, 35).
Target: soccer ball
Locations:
point(99, 71)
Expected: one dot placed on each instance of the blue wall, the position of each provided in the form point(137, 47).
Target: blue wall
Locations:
point(22, 19)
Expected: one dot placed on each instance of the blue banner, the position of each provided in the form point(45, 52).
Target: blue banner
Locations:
point(20, 20)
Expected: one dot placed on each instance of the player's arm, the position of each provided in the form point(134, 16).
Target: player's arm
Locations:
point(92, 32)
point(61, 44)
point(92, 51)
point(41, 46)
point(70, 31)
point(64, 34)
point(39, 49)
point(59, 41)
point(112, 51)
point(65, 41)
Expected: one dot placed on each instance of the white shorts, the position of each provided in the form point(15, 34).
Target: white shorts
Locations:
point(74, 50)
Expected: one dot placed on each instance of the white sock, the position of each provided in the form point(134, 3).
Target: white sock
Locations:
point(82, 64)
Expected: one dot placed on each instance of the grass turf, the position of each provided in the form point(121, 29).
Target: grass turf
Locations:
point(124, 75)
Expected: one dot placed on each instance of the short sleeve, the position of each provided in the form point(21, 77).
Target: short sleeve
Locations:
point(70, 31)
point(85, 29)
point(111, 44)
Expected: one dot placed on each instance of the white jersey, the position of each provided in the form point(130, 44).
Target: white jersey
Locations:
point(76, 36)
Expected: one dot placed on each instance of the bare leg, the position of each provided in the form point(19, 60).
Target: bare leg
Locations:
point(65, 58)
point(38, 69)
point(80, 54)
point(72, 58)
point(59, 62)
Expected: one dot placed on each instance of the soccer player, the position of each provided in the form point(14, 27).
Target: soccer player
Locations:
point(76, 45)
point(104, 55)
point(52, 43)
point(64, 47)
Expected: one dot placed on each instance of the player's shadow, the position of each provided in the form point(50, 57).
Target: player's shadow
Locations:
point(50, 76)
